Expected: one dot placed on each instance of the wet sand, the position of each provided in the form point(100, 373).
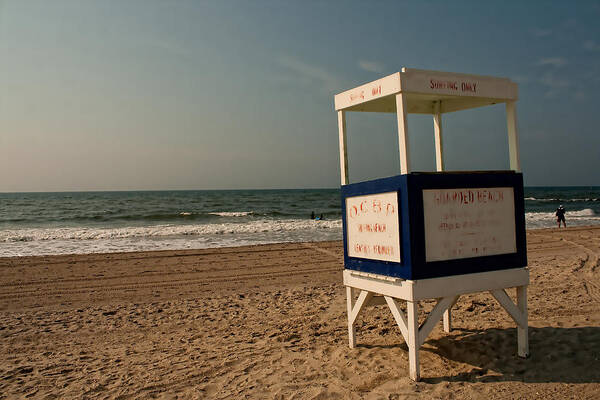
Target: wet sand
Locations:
point(270, 322)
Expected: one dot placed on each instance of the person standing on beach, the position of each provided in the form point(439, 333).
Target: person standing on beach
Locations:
point(560, 216)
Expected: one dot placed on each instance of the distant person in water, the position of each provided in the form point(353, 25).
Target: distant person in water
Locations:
point(560, 216)
point(312, 215)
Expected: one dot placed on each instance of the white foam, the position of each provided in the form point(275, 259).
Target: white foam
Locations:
point(231, 213)
point(562, 200)
point(24, 242)
point(582, 213)
point(536, 199)
point(41, 234)
point(548, 219)
point(38, 241)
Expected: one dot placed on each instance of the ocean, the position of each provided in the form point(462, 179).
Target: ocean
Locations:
point(99, 222)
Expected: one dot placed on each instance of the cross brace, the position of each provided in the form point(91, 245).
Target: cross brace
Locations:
point(415, 335)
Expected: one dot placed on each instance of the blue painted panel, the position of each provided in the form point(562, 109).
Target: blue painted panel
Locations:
point(384, 185)
point(410, 188)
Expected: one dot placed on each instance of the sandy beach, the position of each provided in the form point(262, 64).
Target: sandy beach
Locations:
point(270, 322)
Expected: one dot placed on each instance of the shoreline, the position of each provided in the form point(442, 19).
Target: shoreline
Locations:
point(192, 250)
point(269, 321)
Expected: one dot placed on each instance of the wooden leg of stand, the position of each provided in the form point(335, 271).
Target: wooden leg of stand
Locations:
point(448, 317)
point(350, 306)
point(522, 334)
point(448, 320)
point(413, 340)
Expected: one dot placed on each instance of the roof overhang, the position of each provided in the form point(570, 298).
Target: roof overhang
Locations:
point(423, 89)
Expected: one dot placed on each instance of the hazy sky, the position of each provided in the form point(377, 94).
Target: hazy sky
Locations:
point(124, 95)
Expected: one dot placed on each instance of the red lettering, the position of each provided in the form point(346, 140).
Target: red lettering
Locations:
point(359, 95)
point(361, 248)
point(376, 206)
point(389, 209)
point(377, 228)
point(468, 87)
point(363, 207)
point(383, 250)
point(435, 84)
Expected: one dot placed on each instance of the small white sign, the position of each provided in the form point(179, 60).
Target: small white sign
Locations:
point(464, 223)
point(372, 228)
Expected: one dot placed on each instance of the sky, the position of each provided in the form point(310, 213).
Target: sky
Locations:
point(169, 95)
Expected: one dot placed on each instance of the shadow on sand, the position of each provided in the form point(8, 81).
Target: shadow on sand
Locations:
point(568, 355)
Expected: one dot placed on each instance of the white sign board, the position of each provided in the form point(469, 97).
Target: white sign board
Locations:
point(372, 228)
point(371, 91)
point(446, 83)
point(463, 223)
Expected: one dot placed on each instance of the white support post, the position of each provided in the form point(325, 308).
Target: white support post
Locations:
point(354, 309)
point(349, 307)
point(522, 334)
point(402, 133)
point(398, 316)
point(446, 290)
point(512, 310)
point(343, 148)
point(448, 317)
point(437, 128)
point(513, 135)
point(439, 167)
point(518, 313)
point(363, 299)
point(448, 320)
point(413, 340)
point(433, 317)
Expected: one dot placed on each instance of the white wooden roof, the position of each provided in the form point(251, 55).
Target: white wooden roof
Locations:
point(423, 88)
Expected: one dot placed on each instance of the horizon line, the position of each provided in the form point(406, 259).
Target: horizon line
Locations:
point(239, 189)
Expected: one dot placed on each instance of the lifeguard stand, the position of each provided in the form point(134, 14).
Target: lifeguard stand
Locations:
point(438, 235)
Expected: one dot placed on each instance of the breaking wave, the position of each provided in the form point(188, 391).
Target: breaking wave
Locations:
point(232, 213)
point(556, 200)
point(157, 231)
point(586, 216)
